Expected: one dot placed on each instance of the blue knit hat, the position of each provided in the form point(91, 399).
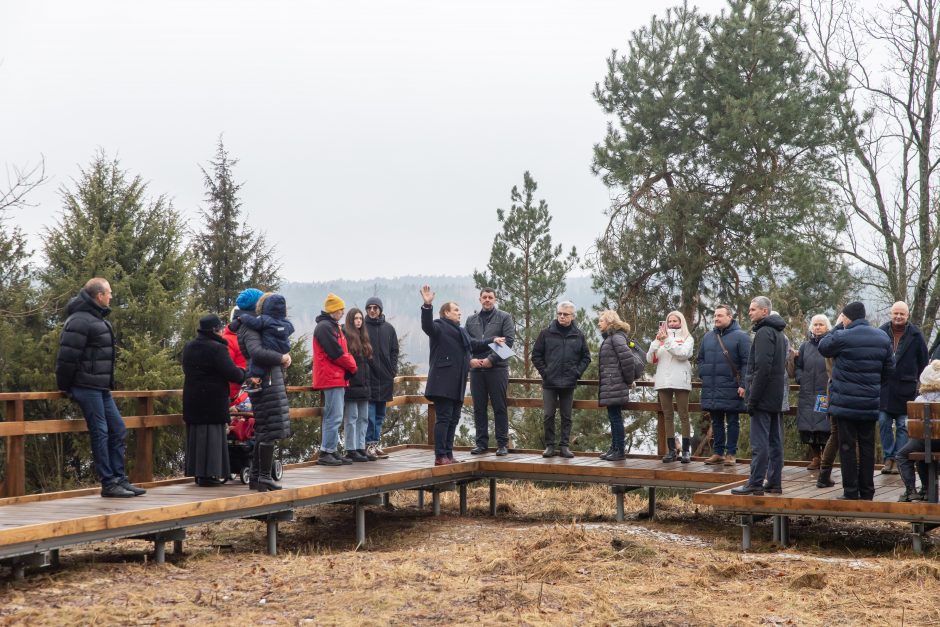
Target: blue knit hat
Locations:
point(248, 299)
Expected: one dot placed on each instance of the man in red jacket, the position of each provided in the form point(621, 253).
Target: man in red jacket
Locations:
point(332, 367)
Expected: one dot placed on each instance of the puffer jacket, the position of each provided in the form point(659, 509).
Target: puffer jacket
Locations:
point(560, 358)
point(862, 359)
point(813, 379)
point(910, 359)
point(331, 358)
point(86, 347)
point(671, 356)
point(615, 370)
point(384, 363)
point(719, 387)
point(766, 380)
point(271, 407)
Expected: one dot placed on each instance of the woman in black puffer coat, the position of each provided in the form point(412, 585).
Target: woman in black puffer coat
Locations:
point(616, 368)
point(270, 405)
point(356, 398)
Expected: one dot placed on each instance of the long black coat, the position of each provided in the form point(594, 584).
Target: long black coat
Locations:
point(449, 362)
point(615, 370)
point(208, 369)
point(270, 405)
point(719, 386)
point(910, 359)
point(813, 379)
point(86, 347)
point(862, 360)
point(766, 379)
point(384, 362)
point(560, 358)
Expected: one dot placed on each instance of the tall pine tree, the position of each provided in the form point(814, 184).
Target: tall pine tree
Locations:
point(526, 270)
point(230, 255)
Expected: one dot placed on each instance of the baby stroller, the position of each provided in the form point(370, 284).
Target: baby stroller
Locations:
point(241, 441)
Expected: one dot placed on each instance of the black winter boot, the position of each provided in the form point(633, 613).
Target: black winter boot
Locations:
point(825, 481)
point(686, 450)
point(670, 451)
point(265, 461)
point(616, 455)
point(253, 468)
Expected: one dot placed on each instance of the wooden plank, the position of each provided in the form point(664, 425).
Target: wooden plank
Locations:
point(143, 449)
point(15, 482)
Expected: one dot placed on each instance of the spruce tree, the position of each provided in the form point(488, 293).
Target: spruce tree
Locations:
point(230, 255)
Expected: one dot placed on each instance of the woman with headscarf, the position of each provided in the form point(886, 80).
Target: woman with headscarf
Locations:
point(208, 370)
point(671, 351)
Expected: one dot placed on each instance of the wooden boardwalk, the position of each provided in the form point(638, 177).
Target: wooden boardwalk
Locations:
point(33, 528)
point(801, 497)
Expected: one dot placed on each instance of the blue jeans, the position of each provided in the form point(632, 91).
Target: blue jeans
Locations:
point(376, 418)
point(355, 423)
point(766, 449)
point(725, 444)
point(332, 418)
point(616, 426)
point(892, 442)
point(107, 431)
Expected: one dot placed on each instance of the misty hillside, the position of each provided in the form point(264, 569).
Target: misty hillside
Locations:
point(402, 301)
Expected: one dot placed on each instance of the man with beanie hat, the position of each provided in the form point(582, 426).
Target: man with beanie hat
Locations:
point(910, 359)
point(332, 367)
point(862, 361)
point(383, 369)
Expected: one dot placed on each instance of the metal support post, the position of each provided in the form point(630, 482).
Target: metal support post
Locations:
point(620, 514)
point(784, 530)
point(420, 499)
point(652, 503)
point(159, 551)
point(177, 547)
point(492, 497)
point(463, 498)
point(436, 501)
point(746, 522)
point(360, 524)
point(272, 536)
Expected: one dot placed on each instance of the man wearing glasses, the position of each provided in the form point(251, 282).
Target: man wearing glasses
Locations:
point(561, 355)
point(383, 369)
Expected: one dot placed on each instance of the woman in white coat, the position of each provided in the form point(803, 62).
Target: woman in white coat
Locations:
point(671, 351)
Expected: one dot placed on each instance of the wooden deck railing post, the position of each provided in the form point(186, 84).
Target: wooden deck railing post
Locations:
point(432, 418)
point(661, 433)
point(15, 483)
point(143, 451)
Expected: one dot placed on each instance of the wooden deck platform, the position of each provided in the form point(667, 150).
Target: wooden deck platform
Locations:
point(801, 497)
point(33, 528)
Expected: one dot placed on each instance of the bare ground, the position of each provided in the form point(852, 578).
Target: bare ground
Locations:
point(552, 556)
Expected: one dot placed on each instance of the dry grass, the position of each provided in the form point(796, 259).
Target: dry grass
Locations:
point(552, 556)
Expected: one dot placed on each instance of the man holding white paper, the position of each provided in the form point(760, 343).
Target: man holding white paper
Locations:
point(489, 373)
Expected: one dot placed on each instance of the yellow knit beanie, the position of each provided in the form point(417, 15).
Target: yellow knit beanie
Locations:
point(333, 303)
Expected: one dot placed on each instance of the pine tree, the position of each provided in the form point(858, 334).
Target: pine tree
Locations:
point(230, 255)
point(527, 272)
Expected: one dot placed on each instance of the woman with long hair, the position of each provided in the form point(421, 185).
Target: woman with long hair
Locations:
point(671, 351)
point(616, 375)
point(356, 400)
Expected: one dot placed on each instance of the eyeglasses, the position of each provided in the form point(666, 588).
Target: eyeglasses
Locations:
point(564, 314)
point(372, 307)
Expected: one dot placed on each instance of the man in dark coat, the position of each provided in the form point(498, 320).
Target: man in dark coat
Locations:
point(561, 356)
point(722, 362)
point(765, 384)
point(383, 370)
point(910, 359)
point(489, 375)
point(84, 370)
point(862, 361)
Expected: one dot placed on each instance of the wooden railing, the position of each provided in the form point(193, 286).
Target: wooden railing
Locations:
point(14, 428)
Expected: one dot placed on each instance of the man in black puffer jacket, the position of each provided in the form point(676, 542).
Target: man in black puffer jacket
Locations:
point(383, 369)
point(561, 356)
point(862, 359)
point(764, 384)
point(84, 370)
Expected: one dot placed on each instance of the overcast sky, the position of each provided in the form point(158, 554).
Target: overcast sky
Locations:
point(375, 139)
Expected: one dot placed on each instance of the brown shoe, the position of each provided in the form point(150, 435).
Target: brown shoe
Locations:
point(714, 460)
point(730, 460)
point(814, 464)
point(380, 453)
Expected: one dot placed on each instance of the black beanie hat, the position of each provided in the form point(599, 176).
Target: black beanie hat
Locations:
point(854, 311)
point(375, 300)
point(210, 322)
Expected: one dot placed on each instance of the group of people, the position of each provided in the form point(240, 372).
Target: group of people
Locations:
point(851, 376)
